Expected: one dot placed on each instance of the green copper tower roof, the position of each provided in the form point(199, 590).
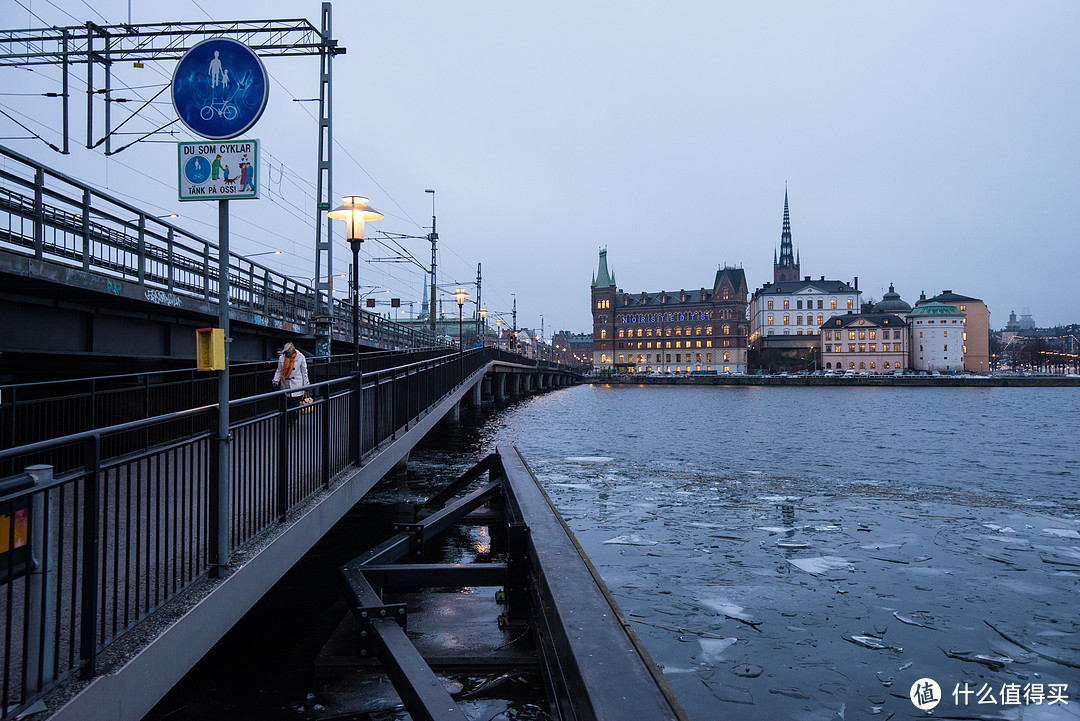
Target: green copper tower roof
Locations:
point(603, 278)
point(935, 308)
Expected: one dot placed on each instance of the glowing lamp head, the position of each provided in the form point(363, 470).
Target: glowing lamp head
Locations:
point(354, 210)
point(460, 295)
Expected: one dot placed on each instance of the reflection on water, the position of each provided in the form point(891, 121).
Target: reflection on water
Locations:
point(809, 553)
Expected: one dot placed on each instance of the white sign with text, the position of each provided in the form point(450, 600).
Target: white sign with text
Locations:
point(226, 170)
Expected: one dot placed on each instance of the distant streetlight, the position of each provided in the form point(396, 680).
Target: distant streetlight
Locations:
point(460, 295)
point(354, 210)
point(268, 252)
point(483, 327)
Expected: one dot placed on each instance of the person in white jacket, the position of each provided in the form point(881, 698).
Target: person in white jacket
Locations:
point(291, 373)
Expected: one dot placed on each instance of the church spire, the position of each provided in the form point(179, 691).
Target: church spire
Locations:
point(787, 268)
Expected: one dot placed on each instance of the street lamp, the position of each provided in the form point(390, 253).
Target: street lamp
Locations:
point(460, 295)
point(483, 327)
point(354, 210)
point(266, 252)
point(498, 333)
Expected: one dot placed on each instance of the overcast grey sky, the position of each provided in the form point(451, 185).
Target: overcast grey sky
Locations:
point(934, 145)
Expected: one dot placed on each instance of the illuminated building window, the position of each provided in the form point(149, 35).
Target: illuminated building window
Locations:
point(851, 335)
point(769, 305)
point(787, 320)
point(873, 335)
point(787, 305)
point(850, 303)
point(603, 333)
point(832, 302)
point(770, 320)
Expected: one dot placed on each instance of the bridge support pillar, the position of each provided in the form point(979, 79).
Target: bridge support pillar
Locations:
point(400, 471)
point(453, 416)
point(498, 386)
point(476, 393)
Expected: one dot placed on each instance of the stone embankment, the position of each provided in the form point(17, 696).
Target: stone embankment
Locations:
point(962, 381)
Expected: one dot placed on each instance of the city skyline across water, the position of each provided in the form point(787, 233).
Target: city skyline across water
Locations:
point(925, 145)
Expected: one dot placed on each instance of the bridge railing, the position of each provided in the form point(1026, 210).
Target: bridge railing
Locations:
point(31, 412)
point(51, 216)
point(88, 551)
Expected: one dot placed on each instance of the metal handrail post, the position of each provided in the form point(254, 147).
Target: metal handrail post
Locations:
point(89, 609)
point(325, 427)
point(283, 457)
point(355, 399)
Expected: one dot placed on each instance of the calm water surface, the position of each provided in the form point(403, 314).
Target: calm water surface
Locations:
point(809, 553)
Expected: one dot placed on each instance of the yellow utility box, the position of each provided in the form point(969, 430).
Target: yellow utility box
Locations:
point(210, 349)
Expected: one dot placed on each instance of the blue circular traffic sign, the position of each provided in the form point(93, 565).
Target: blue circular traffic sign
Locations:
point(220, 88)
point(197, 170)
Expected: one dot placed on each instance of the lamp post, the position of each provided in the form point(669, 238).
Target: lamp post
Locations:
point(483, 327)
point(460, 295)
point(498, 333)
point(354, 210)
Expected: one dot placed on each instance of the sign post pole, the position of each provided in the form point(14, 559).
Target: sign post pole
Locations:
point(219, 90)
point(219, 548)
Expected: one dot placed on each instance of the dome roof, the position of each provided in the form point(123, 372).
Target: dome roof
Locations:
point(891, 303)
point(936, 308)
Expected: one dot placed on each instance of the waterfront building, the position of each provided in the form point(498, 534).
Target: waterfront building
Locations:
point(576, 348)
point(976, 328)
point(865, 342)
point(937, 337)
point(678, 332)
point(786, 315)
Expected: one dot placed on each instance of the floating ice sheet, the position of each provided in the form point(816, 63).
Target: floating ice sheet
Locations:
point(1062, 532)
point(630, 539)
point(820, 565)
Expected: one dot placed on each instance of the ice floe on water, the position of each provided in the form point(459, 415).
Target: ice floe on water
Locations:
point(820, 565)
point(1062, 532)
point(630, 539)
point(713, 649)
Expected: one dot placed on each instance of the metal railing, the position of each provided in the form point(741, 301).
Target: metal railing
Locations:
point(31, 412)
point(50, 216)
point(90, 549)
